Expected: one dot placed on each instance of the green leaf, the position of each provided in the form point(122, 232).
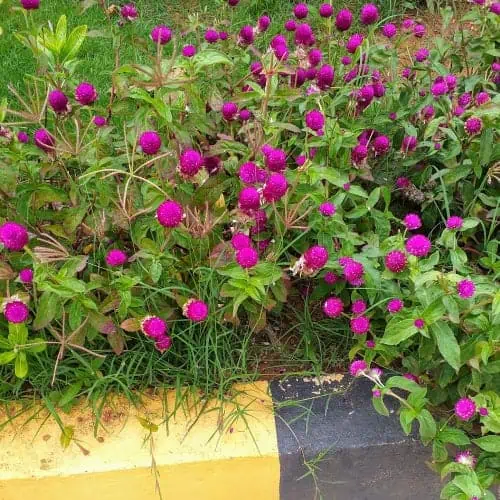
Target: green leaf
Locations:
point(402, 383)
point(397, 331)
point(38, 345)
point(379, 405)
point(434, 311)
point(7, 357)
point(447, 344)
point(373, 198)
point(486, 147)
point(47, 309)
point(427, 425)
point(73, 43)
point(469, 223)
point(454, 436)
point(452, 308)
point(18, 333)
point(70, 393)
point(61, 31)
point(209, 58)
point(490, 444)
point(21, 365)
point(406, 417)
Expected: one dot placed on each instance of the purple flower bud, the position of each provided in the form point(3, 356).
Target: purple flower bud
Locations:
point(369, 14)
point(354, 42)
point(419, 30)
point(229, 110)
point(326, 10)
point(100, 121)
point(150, 142)
point(247, 35)
point(325, 77)
point(263, 23)
point(129, 12)
point(211, 36)
point(389, 30)
point(300, 11)
point(58, 101)
point(290, 25)
point(188, 50)
point(304, 35)
point(23, 137)
point(86, 93)
point(44, 140)
point(30, 4)
point(343, 20)
point(161, 34)
point(115, 258)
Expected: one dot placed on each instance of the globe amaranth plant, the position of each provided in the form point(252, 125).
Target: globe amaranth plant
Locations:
point(262, 158)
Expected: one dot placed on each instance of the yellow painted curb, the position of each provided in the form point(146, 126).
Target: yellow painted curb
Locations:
point(204, 451)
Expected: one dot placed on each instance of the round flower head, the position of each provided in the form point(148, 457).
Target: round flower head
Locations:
point(16, 311)
point(190, 162)
point(326, 10)
point(483, 411)
point(275, 187)
point(26, 275)
point(358, 306)
point(359, 153)
point(212, 164)
point(439, 89)
point(276, 160)
point(330, 278)
point(360, 325)
point(458, 110)
point(161, 34)
point(343, 20)
point(30, 4)
point(188, 50)
point(495, 67)
point(325, 76)
point(418, 245)
point(495, 8)
point(240, 240)
point(170, 213)
point(482, 98)
point(354, 42)
point(250, 173)
point(369, 14)
point(327, 209)
point(315, 257)
point(163, 344)
point(154, 327)
point(247, 257)
point(395, 261)
point(465, 409)
point(412, 222)
point(358, 367)
point(263, 23)
point(346, 60)
point(314, 57)
point(245, 115)
point(99, 121)
point(419, 323)
point(466, 458)
point(315, 119)
point(290, 25)
point(304, 34)
point(58, 101)
point(233, 3)
point(281, 53)
point(150, 142)
point(465, 99)
point(246, 35)
point(300, 11)
point(407, 73)
point(381, 144)
point(394, 306)
point(466, 289)
point(403, 182)
point(44, 140)
point(333, 307)
point(249, 199)
point(421, 54)
point(427, 112)
point(409, 143)
point(195, 310)
point(116, 258)
point(23, 137)
point(256, 68)
point(389, 30)
point(13, 236)
point(451, 82)
point(419, 30)
point(410, 376)
point(229, 110)
point(454, 222)
point(408, 24)
point(129, 12)
point(211, 36)
point(473, 125)
point(437, 146)
point(370, 344)
point(85, 93)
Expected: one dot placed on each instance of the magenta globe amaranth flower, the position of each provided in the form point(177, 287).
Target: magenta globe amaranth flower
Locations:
point(358, 367)
point(314, 57)
point(154, 327)
point(354, 42)
point(229, 110)
point(454, 222)
point(233, 3)
point(327, 209)
point(394, 306)
point(466, 458)
point(170, 213)
point(15, 311)
point(26, 276)
point(240, 240)
point(325, 76)
point(245, 115)
point(150, 142)
point(115, 258)
point(330, 278)
point(345, 60)
point(458, 110)
point(190, 163)
point(30, 4)
point(483, 411)
point(99, 121)
point(389, 30)
point(195, 310)
point(360, 325)
point(163, 344)
point(333, 307)
point(410, 376)
point(381, 145)
point(249, 198)
point(275, 160)
point(247, 257)
point(412, 222)
point(419, 323)
point(358, 306)
point(304, 34)
point(370, 344)
point(408, 24)
point(223, 35)
point(403, 182)
point(263, 23)
point(428, 112)
point(343, 19)
point(250, 173)
point(189, 50)
point(419, 30)
point(211, 36)
point(315, 257)
point(358, 154)
point(23, 137)
point(58, 101)
point(396, 261)
point(13, 236)
point(85, 93)
point(325, 10)
point(409, 143)
point(275, 187)
point(44, 140)
point(418, 245)
point(465, 99)
point(465, 409)
point(422, 54)
point(495, 8)
point(290, 25)
point(473, 125)
point(315, 119)
point(161, 34)
point(300, 11)
point(246, 35)
point(439, 89)
point(353, 271)
point(466, 289)
point(129, 12)
point(482, 98)
point(369, 14)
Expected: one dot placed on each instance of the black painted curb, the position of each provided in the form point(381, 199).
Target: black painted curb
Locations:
point(330, 427)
